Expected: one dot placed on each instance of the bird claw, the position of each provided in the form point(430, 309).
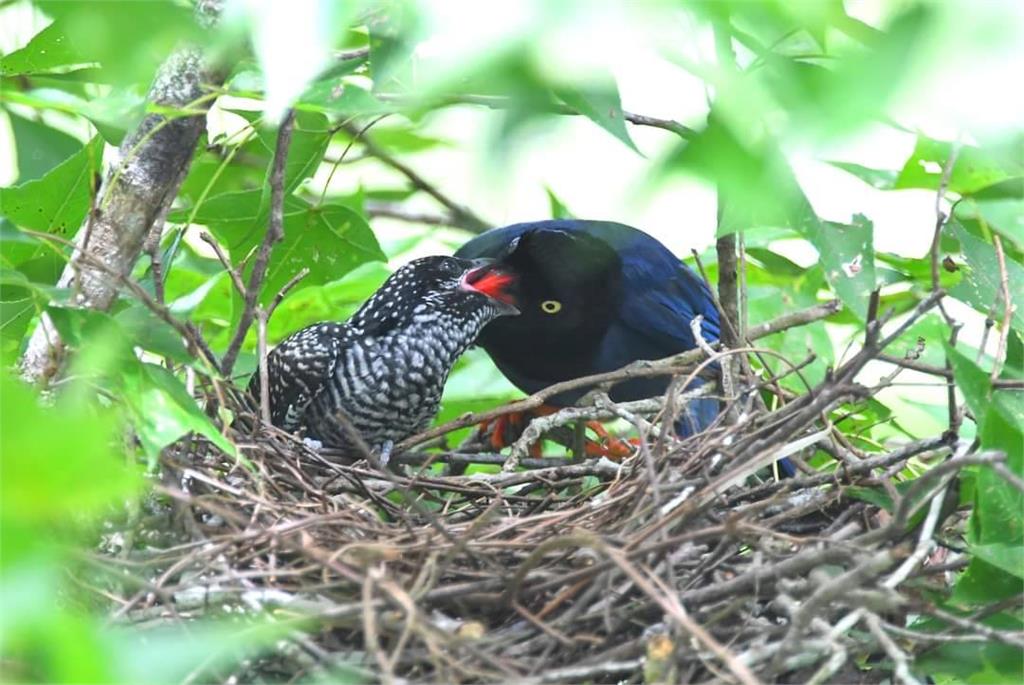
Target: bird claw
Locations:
point(385, 453)
point(503, 431)
point(607, 445)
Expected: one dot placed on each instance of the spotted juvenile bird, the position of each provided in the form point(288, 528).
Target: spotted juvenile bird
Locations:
point(381, 373)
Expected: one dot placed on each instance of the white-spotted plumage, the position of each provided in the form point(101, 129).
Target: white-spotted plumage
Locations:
point(382, 372)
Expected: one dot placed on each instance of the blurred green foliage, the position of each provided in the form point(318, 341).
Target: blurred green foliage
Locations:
point(800, 73)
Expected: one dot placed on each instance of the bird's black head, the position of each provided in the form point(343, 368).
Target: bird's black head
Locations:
point(440, 289)
point(568, 289)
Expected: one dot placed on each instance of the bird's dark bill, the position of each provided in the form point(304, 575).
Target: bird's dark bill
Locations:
point(495, 283)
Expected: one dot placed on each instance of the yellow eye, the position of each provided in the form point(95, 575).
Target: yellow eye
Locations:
point(551, 306)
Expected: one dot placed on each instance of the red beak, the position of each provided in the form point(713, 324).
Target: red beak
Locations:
point(492, 282)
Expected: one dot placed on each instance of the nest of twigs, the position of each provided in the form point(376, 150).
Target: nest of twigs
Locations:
point(687, 562)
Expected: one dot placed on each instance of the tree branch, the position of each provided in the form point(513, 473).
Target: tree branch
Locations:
point(499, 102)
point(274, 235)
point(465, 216)
point(137, 192)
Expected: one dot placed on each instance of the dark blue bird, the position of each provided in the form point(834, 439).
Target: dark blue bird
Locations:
point(594, 297)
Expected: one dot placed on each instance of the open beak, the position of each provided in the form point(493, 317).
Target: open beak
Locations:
point(494, 282)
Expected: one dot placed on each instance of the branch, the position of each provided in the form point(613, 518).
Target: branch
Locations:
point(137, 193)
point(1008, 309)
point(463, 215)
point(392, 210)
point(499, 102)
point(275, 233)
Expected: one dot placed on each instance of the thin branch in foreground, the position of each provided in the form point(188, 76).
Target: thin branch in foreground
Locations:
point(465, 216)
point(1008, 309)
point(503, 103)
point(274, 234)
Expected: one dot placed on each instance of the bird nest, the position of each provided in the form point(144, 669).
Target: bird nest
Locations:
point(688, 561)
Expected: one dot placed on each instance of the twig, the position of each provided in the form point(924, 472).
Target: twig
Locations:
point(236, 278)
point(349, 55)
point(901, 661)
point(463, 215)
point(1008, 309)
point(391, 210)
point(940, 222)
point(285, 289)
point(499, 102)
point(274, 234)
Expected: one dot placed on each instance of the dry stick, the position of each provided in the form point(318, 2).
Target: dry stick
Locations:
point(275, 233)
point(954, 416)
point(660, 367)
point(392, 210)
point(669, 603)
point(236, 278)
point(921, 367)
point(465, 217)
point(725, 248)
point(264, 365)
point(344, 153)
point(940, 222)
point(763, 446)
point(1008, 309)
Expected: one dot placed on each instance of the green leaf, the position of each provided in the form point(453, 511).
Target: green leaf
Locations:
point(982, 583)
point(558, 208)
point(1005, 215)
point(48, 50)
point(973, 170)
point(58, 202)
point(1009, 558)
point(40, 148)
point(338, 95)
point(755, 184)
point(163, 411)
point(981, 287)
point(848, 258)
point(393, 38)
point(406, 139)
point(600, 103)
point(330, 241)
point(113, 114)
point(171, 654)
point(972, 662)
point(151, 333)
point(310, 137)
point(995, 531)
point(128, 39)
point(882, 179)
point(71, 443)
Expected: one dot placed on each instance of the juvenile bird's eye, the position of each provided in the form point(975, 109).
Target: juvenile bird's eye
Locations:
point(551, 306)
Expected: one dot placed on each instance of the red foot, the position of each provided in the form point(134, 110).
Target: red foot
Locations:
point(607, 445)
point(506, 429)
